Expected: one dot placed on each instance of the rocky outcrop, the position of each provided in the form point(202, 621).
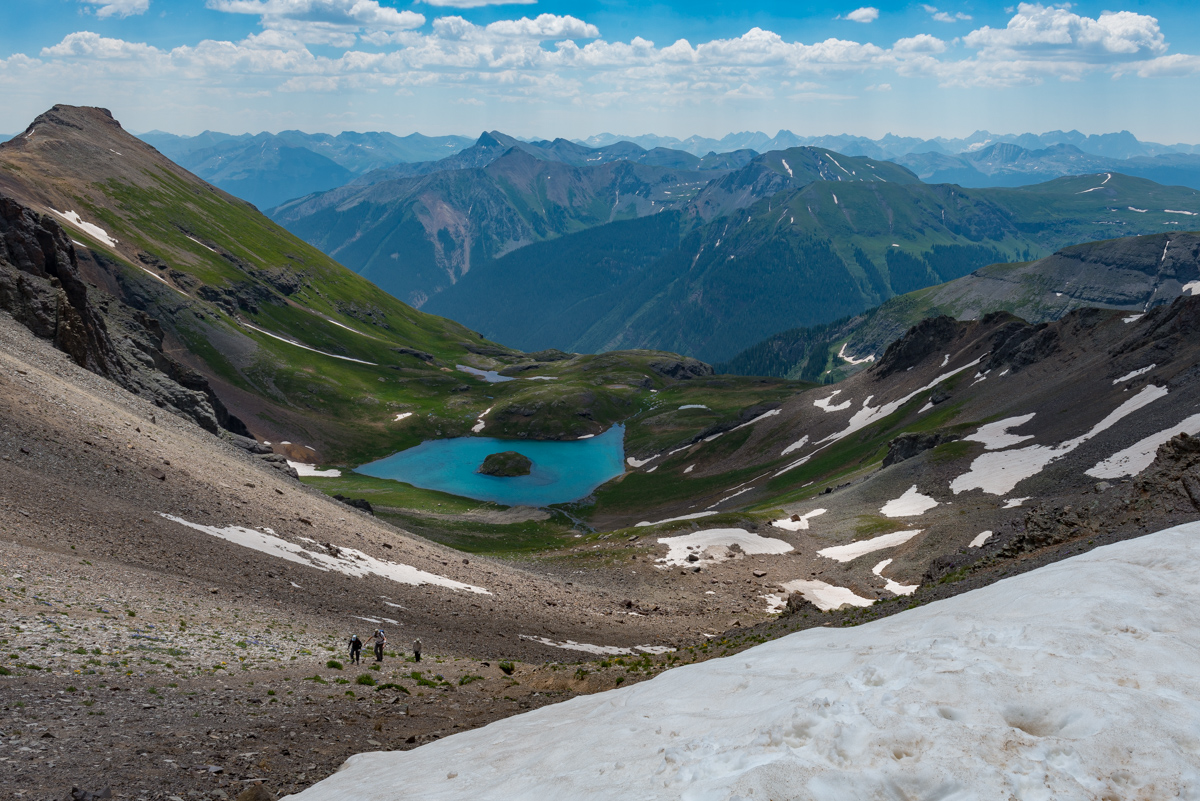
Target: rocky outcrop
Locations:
point(42, 288)
point(927, 337)
point(506, 464)
point(906, 446)
point(681, 369)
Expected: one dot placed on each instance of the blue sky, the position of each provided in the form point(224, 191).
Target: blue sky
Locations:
point(562, 68)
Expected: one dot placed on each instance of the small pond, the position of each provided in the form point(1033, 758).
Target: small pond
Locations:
point(561, 471)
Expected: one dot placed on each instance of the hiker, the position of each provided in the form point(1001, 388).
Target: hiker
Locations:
point(379, 639)
point(355, 649)
point(417, 650)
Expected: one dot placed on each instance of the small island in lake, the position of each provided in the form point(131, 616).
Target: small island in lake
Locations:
point(505, 465)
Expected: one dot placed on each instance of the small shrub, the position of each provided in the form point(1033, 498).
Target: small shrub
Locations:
point(468, 679)
point(333, 664)
point(506, 668)
point(366, 679)
point(391, 686)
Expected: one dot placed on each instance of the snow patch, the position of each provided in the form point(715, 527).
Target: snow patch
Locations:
point(599, 650)
point(479, 422)
point(846, 553)
point(1135, 317)
point(402, 416)
point(789, 169)
point(694, 516)
point(1190, 288)
point(713, 542)
point(797, 522)
point(586, 436)
point(301, 346)
point(88, 228)
point(309, 471)
point(1177, 211)
point(842, 355)
point(632, 462)
point(826, 403)
point(349, 561)
point(692, 406)
point(797, 445)
point(690, 468)
point(762, 416)
point(980, 539)
point(995, 436)
point(1013, 503)
point(910, 504)
point(999, 473)
point(826, 596)
point(893, 586)
point(1134, 374)
point(1140, 455)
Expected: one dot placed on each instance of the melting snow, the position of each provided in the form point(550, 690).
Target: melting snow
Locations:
point(893, 586)
point(1177, 211)
point(694, 516)
point(309, 471)
point(826, 403)
point(599, 650)
point(1013, 503)
point(846, 553)
point(1134, 374)
point(786, 167)
point(1076, 680)
point(349, 561)
point(692, 406)
point(302, 346)
point(632, 462)
point(910, 504)
point(1139, 211)
point(842, 355)
point(490, 376)
point(1135, 317)
point(762, 416)
point(402, 416)
point(826, 596)
point(1138, 456)
point(690, 468)
point(87, 227)
point(998, 473)
point(797, 522)
point(714, 541)
point(1190, 288)
point(795, 446)
point(479, 423)
point(995, 436)
point(980, 539)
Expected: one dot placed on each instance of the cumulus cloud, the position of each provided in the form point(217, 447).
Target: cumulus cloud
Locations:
point(945, 16)
point(864, 14)
point(921, 43)
point(118, 8)
point(477, 3)
point(333, 22)
point(1049, 29)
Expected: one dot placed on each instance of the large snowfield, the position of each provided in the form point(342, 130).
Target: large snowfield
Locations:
point(1080, 680)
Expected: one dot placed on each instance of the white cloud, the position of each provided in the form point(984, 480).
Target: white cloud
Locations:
point(119, 8)
point(477, 3)
point(921, 43)
point(945, 16)
point(88, 45)
point(879, 87)
point(864, 14)
point(332, 22)
point(1047, 29)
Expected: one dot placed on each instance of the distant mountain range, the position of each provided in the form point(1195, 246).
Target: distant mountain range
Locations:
point(554, 245)
point(268, 169)
point(1113, 145)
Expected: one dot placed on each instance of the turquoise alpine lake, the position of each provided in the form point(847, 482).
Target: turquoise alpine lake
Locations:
point(561, 471)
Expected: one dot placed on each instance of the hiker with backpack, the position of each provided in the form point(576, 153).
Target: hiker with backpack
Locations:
point(355, 649)
point(416, 650)
point(379, 640)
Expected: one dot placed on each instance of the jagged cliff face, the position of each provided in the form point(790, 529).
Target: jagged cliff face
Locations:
point(41, 287)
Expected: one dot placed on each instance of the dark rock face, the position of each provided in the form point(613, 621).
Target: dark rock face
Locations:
point(506, 464)
point(42, 288)
point(681, 369)
point(906, 446)
point(361, 504)
point(922, 340)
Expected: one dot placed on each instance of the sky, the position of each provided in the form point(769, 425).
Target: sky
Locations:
point(572, 68)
